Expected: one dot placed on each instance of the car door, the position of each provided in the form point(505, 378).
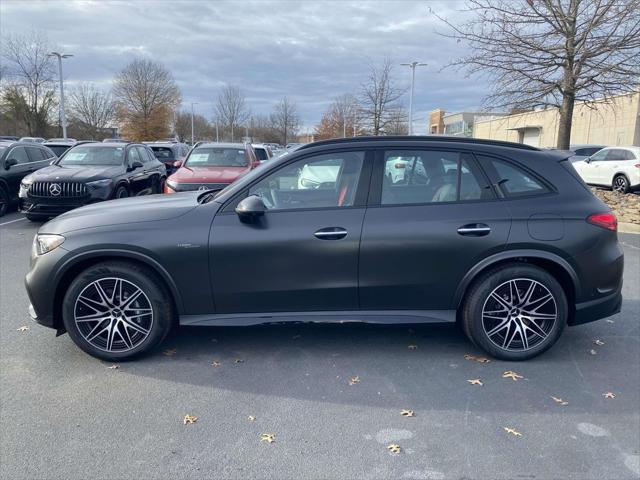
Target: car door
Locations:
point(432, 216)
point(302, 255)
point(21, 167)
point(151, 169)
point(614, 163)
point(137, 176)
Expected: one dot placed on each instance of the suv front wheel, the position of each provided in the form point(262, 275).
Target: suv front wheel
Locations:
point(117, 310)
point(515, 312)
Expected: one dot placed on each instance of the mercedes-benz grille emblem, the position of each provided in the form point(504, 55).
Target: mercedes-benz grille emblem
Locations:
point(202, 188)
point(55, 189)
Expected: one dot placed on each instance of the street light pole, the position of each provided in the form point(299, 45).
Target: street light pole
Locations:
point(192, 140)
point(63, 118)
point(413, 66)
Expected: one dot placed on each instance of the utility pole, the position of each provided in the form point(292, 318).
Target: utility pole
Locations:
point(63, 118)
point(413, 66)
point(192, 139)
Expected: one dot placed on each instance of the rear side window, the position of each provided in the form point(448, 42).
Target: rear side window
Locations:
point(512, 180)
point(163, 153)
point(261, 153)
point(36, 154)
point(430, 176)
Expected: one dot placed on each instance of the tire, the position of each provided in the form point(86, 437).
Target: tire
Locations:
point(4, 201)
point(498, 327)
point(121, 192)
point(620, 184)
point(130, 317)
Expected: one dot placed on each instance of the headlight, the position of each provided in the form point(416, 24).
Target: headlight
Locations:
point(171, 184)
point(44, 243)
point(100, 183)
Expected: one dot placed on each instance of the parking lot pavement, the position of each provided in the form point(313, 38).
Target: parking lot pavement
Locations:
point(66, 415)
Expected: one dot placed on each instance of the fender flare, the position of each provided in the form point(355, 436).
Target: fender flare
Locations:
point(471, 275)
point(122, 254)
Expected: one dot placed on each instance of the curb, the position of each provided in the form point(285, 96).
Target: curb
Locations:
point(626, 227)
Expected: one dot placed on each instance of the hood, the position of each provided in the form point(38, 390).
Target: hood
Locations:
point(76, 174)
point(126, 210)
point(208, 174)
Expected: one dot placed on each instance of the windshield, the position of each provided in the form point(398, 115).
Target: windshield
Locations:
point(217, 157)
point(163, 153)
point(93, 156)
point(59, 149)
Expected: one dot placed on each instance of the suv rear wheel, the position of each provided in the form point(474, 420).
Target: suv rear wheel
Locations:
point(621, 184)
point(515, 312)
point(117, 310)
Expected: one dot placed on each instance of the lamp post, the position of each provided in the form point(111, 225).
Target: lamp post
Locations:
point(63, 118)
point(192, 139)
point(413, 66)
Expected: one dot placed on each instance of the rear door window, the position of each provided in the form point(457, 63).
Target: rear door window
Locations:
point(512, 180)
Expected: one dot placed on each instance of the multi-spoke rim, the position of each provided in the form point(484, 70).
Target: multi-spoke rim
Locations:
point(519, 314)
point(619, 184)
point(113, 314)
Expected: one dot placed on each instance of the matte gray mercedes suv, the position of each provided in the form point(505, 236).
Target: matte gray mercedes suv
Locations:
point(503, 238)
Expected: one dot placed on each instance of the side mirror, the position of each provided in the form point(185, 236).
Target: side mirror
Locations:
point(10, 162)
point(251, 208)
point(136, 164)
point(177, 164)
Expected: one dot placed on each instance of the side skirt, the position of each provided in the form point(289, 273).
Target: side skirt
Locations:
point(372, 316)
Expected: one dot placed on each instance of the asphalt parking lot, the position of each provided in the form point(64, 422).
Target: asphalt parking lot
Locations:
point(66, 415)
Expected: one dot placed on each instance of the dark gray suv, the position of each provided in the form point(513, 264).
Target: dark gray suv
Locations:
point(503, 238)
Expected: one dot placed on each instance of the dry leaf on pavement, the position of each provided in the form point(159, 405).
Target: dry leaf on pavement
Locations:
point(609, 395)
point(512, 431)
point(239, 360)
point(482, 360)
point(593, 352)
point(512, 375)
point(114, 367)
point(354, 380)
point(406, 413)
point(23, 328)
point(412, 347)
point(394, 448)
point(268, 437)
point(598, 342)
point(215, 363)
point(251, 418)
point(189, 419)
point(469, 357)
point(170, 352)
point(560, 401)
point(475, 381)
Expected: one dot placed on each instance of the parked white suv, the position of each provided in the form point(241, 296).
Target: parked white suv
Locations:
point(615, 167)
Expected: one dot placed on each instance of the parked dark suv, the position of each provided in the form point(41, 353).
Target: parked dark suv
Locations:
point(89, 173)
point(17, 160)
point(503, 238)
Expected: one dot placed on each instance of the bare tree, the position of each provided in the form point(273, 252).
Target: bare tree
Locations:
point(202, 129)
point(398, 123)
point(28, 80)
point(231, 111)
point(552, 52)
point(285, 119)
point(340, 119)
point(91, 108)
point(379, 96)
point(146, 97)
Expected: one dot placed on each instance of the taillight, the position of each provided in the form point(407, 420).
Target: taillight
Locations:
point(605, 220)
point(637, 165)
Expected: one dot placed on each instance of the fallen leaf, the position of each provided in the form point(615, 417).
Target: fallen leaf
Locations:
point(512, 375)
point(560, 401)
point(170, 352)
point(609, 395)
point(610, 321)
point(412, 347)
point(215, 364)
point(251, 418)
point(354, 380)
point(114, 367)
point(598, 342)
point(393, 448)
point(406, 413)
point(189, 419)
point(268, 437)
point(512, 431)
point(469, 357)
point(482, 360)
point(24, 328)
point(239, 360)
point(593, 352)
point(475, 381)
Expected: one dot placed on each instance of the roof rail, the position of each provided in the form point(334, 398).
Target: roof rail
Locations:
point(418, 138)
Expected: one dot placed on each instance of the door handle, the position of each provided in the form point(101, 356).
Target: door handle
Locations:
point(331, 233)
point(474, 230)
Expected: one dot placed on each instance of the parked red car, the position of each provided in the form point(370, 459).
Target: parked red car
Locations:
point(212, 166)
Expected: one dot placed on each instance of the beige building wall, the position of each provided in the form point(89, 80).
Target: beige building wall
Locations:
point(613, 123)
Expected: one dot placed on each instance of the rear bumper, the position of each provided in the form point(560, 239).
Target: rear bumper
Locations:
point(597, 309)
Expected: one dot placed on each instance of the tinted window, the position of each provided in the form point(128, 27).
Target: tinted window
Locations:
point(142, 153)
point(19, 154)
point(600, 155)
point(163, 153)
point(58, 149)
point(513, 180)
point(587, 151)
point(36, 154)
point(217, 157)
point(427, 176)
point(321, 181)
point(261, 153)
point(92, 155)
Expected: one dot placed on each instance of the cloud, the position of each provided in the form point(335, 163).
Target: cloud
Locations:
point(309, 51)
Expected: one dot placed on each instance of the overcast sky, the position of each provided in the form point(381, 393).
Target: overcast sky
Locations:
point(310, 51)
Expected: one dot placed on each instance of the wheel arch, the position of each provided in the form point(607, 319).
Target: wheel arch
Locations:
point(561, 270)
point(77, 264)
